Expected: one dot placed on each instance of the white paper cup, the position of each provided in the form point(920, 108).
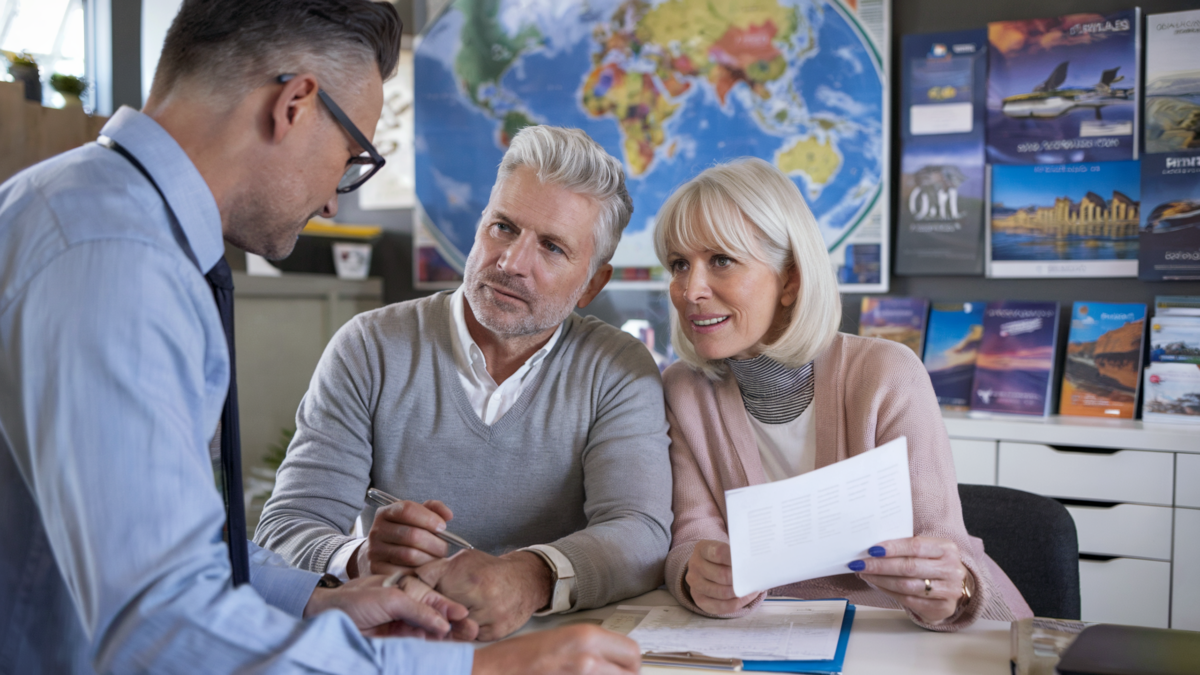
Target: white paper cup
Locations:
point(352, 261)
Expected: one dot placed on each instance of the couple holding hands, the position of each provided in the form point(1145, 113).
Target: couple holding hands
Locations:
point(549, 441)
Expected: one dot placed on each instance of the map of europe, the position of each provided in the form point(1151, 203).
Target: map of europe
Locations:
point(670, 87)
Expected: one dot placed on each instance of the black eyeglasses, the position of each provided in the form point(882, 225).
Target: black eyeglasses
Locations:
point(360, 168)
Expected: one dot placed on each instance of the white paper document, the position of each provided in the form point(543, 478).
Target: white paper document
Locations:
point(813, 525)
point(775, 631)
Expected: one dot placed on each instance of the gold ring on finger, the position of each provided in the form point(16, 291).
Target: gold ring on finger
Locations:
point(928, 586)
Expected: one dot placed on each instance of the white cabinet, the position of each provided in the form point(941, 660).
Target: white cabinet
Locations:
point(1133, 491)
point(1187, 479)
point(1126, 591)
point(974, 461)
point(1131, 530)
point(1122, 476)
point(1185, 593)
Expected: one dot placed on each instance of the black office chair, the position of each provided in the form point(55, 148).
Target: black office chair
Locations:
point(1033, 539)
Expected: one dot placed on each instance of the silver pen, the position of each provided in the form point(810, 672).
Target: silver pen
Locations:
point(384, 499)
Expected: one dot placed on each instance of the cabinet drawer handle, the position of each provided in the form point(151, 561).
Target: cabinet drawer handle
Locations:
point(1097, 558)
point(1091, 503)
point(1085, 451)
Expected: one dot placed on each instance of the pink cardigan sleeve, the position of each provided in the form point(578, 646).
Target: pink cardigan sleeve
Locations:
point(698, 513)
point(905, 405)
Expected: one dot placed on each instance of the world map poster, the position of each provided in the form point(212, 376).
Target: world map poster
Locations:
point(669, 87)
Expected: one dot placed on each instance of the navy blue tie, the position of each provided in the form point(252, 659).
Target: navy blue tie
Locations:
point(221, 280)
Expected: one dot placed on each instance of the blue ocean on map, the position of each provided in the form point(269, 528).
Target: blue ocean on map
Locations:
point(459, 142)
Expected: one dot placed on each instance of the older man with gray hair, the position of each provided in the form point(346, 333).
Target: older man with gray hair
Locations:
point(537, 435)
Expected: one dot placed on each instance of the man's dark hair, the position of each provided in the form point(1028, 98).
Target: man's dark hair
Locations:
point(237, 45)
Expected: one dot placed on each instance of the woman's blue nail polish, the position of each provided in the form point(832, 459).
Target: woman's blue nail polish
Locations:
point(857, 565)
point(877, 551)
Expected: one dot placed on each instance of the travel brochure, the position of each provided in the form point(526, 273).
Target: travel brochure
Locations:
point(955, 331)
point(1170, 222)
point(1173, 82)
point(1103, 360)
point(1172, 393)
point(1000, 357)
point(1045, 138)
point(1013, 374)
point(897, 319)
point(943, 103)
point(1172, 378)
point(1063, 89)
point(1065, 220)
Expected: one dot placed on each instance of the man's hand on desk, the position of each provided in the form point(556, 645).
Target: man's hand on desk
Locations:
point(401, 537)
point(577, 650)
point(500, 592)
point(410, 609)
point(709, 577)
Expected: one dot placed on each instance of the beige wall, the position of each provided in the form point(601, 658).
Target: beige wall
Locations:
point(30, 133)
point(282, 325)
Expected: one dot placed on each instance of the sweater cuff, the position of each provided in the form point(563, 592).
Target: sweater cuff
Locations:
point(968, 611)
point(327, 549)
point(677, 585)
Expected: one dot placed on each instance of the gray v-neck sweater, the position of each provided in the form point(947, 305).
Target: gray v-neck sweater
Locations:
point(580, 460)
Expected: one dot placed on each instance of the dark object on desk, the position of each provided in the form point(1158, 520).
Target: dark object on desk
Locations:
point(1106, 649)
point(1033, 539)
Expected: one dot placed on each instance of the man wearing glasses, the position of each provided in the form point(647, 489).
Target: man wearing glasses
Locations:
point(115, 371)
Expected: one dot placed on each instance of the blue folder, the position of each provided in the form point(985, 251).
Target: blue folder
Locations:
point(833, 665)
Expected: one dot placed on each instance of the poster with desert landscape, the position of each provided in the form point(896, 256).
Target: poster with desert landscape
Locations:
point(1104, 360)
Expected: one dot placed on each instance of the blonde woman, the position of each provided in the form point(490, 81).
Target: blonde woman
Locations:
point(767, 388)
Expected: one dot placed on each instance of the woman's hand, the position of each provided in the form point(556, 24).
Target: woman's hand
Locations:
point(924, 574)
point(710, 578)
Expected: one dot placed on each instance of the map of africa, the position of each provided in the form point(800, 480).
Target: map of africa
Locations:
point(669, 87)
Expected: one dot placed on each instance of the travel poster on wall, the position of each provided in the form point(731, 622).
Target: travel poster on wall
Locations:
point(897, 319)
point(1172, 393)
point(1169, 237)
point(943, 103)
point(1104, 360)
point(1063, 90)
point(1064, 220)
point(951, 347)
point(1016, 358)
point(1173, 82)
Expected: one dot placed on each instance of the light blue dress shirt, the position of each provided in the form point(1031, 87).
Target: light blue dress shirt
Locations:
point(113, 372)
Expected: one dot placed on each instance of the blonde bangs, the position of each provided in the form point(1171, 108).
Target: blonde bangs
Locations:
point(702, 216)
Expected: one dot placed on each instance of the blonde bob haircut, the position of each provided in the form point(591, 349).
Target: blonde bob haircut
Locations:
point(748, 209)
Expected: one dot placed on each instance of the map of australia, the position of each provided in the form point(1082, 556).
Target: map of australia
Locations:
point(669, 87)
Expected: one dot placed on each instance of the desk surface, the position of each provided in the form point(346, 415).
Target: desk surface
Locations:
point(882, 641)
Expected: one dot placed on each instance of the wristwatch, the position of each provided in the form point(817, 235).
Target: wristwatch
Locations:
point(328, 581)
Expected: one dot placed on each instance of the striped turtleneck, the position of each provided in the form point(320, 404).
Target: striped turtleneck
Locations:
point(772, 392)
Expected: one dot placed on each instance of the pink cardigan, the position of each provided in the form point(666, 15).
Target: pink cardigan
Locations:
point(868, 392)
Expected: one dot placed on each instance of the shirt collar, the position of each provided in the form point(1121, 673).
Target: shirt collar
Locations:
point(466, 351)
point(184, 188)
